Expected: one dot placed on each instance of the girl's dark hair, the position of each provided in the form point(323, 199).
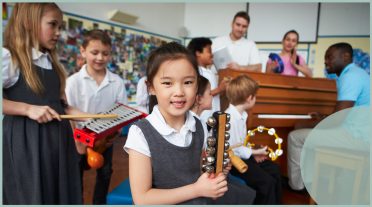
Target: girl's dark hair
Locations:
point(167, 52)
point(298, 40)
point(294, 32)
point(202, 85)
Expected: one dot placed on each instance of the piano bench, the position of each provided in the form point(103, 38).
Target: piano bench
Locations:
point(121, 195)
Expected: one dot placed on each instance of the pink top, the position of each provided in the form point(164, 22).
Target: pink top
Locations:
point(288, 68)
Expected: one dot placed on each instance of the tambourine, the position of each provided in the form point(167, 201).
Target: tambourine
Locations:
point(272, 154)
point(275, 57)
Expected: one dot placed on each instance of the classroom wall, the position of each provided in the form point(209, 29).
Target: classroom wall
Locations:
point(161, 18)
point(210, 19)
point(349, 22)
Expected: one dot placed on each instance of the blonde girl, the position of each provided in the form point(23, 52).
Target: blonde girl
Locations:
point(40, 162)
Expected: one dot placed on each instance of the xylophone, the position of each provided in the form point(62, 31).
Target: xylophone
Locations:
point(96, 129)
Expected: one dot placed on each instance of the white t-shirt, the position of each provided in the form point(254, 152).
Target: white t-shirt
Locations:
point(83, 92)
point(137, 141)
point(243, 52)
point(11, 71)
point(238, 131)
point(212, 77)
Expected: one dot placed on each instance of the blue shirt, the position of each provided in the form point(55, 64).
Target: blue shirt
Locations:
point(353, 84)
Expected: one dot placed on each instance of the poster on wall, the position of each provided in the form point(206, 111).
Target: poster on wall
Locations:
point(130, 47)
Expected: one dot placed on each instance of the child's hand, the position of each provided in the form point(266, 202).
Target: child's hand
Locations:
point(210, 187)
point(227, 169)
point(233, 65)
point(273, 64)
point(260, 151)
point(260, 158)
point(223, 84)
point(42, 114)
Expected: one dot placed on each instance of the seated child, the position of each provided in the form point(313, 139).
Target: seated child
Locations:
point(262, 175)
point(237, 193)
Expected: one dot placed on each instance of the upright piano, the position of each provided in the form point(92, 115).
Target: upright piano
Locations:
point(282, 102)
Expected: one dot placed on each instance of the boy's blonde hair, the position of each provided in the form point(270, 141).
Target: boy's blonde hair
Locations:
point(22, 34)
point(240, 88)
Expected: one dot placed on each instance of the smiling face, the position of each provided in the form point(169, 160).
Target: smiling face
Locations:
point(175, 87)
point(333, 61)
point(97, 55)
point(290, 41)
point(51, 22)
point(239, 28)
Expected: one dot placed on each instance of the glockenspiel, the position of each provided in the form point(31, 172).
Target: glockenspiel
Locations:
point(95, 129)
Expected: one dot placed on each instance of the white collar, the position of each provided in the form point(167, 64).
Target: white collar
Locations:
point(194, 114)
point(36, 55)
point(158, 122)
point(84, 74)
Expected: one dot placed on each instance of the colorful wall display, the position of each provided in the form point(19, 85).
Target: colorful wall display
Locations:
point(130, 46)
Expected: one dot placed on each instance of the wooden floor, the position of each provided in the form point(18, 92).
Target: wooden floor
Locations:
point(120, 172)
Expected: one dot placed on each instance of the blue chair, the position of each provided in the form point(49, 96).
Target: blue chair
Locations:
point(235, 179)
point(121, 195)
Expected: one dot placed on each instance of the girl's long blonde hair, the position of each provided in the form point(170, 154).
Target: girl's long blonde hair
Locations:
point(22, 34)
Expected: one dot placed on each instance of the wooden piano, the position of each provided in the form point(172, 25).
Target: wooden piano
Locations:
point(282, 102)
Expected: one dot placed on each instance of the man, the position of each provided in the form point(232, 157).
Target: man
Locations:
point(353, 89)
point(244, 53)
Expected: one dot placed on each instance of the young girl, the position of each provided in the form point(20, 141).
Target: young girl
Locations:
point(203, 100)
point(293, 63)
point(40, 163)
point(165, 148)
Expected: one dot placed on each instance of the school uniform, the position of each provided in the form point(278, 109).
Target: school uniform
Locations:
point(40, 161)
point(142, 96)
point(167, 149)
point(263, 177)
point(237, 193)
point(83, 93)
point(212, 76)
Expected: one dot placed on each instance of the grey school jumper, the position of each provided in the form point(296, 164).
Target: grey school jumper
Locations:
point(174, 166)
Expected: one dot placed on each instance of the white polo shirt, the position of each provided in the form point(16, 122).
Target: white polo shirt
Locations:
point(212, 77)
point(136, 139)
point(243, 51)
point(83, 92)
point(10, 71)
point(142, 96)
point(238, 131)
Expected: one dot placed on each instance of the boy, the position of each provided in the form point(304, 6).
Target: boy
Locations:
point(262, 175)
point(95, 89)
point(201, 48)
